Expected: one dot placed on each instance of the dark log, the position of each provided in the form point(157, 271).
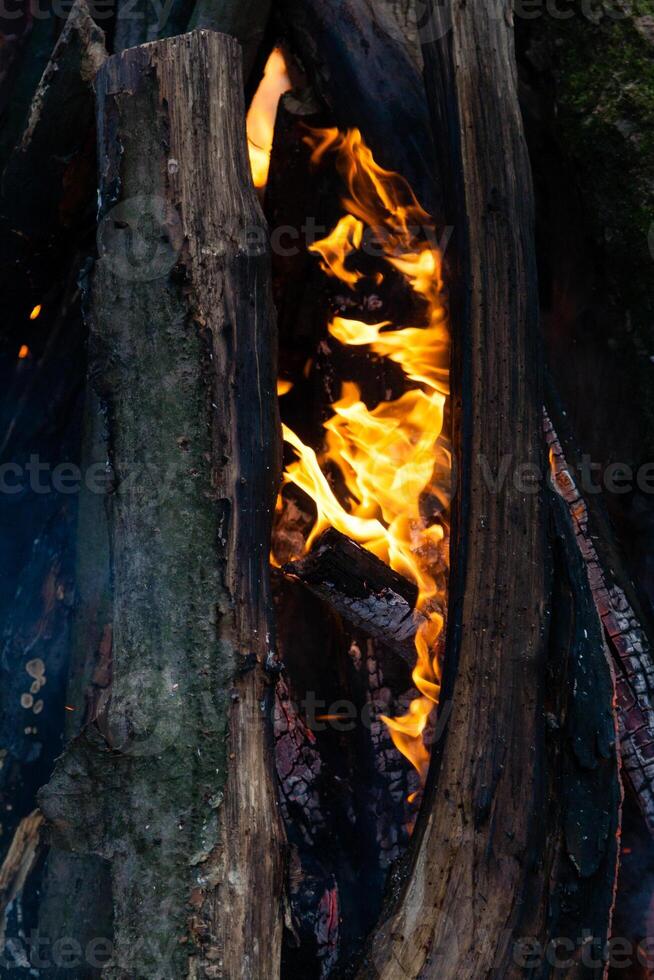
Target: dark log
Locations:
point(172, 782)
point(455, 915)
point(363, 589)
point(246, 20)
point(360, 68)
point(626, 638)
point(48, 184)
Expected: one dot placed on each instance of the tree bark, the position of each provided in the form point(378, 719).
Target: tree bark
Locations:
point(457, 912)
point(172, 780)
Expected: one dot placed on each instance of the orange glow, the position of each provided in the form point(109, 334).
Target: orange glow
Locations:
point(23, 352)
point(36, 312)
point(394, 454)
point(283, 387)
point(261, 117)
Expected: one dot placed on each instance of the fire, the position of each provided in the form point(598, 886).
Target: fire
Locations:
point(23, 352)
point(36, 312)
point(261, 117)
point(393, 456)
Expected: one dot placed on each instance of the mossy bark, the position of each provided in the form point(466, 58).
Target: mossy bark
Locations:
point(171, 781)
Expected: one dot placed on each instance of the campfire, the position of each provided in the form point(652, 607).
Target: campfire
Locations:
point(321, 657)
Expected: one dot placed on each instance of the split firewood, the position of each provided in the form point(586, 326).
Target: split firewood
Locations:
point(363, 589)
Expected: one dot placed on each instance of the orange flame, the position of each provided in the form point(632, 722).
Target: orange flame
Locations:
point(23, 352)
point(261, 116)
point(36, 312)
point(392, 455)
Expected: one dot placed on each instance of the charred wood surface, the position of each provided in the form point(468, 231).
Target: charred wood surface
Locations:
point(359, 64)
point(182, 335)
point(363, 589)
point(626, 639)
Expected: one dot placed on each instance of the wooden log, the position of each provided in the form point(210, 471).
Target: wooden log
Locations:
point(173, 781)
point(626, 638)
point(363, 589)
point(454, 916)
point(246, 20)
point(350, 50)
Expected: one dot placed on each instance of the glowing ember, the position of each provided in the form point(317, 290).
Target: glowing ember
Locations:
point(394, 455)
point(283, 387)
point(23, 352)
point(36, 312)
point(261, 117)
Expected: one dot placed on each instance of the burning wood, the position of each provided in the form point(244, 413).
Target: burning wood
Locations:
point(363, 589)
point(625, 636)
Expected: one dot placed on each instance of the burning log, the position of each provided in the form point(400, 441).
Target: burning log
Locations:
point(194, 462)
point(496, 649)
point(363, 589)
point(354, 56)
point(625, 637)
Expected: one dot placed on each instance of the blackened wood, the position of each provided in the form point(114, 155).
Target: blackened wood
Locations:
point(571, 888)
point(183, 342)
point(363, 589)
point(364, 73)
point(454, 916)
point(626, 637)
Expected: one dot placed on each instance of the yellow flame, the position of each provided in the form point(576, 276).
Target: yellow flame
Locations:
point(36, 312)
point(392, 455)
point(283, 387)
point(261, 116)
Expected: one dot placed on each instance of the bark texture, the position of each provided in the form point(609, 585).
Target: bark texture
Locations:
point(171, 778)
point(460, 906)
point(246, 20)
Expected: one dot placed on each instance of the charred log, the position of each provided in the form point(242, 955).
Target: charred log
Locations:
point(182, 740)
point(351, 49)
point(364, 590)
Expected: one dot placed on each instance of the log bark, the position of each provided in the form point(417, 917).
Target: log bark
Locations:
point(364, 590)
point(456, 914)
point(172, 781)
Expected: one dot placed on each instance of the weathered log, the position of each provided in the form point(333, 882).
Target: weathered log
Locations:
point(455, 915)
point(361, 69)
point(246, 20)
point(363, 589)
point(172, 782)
